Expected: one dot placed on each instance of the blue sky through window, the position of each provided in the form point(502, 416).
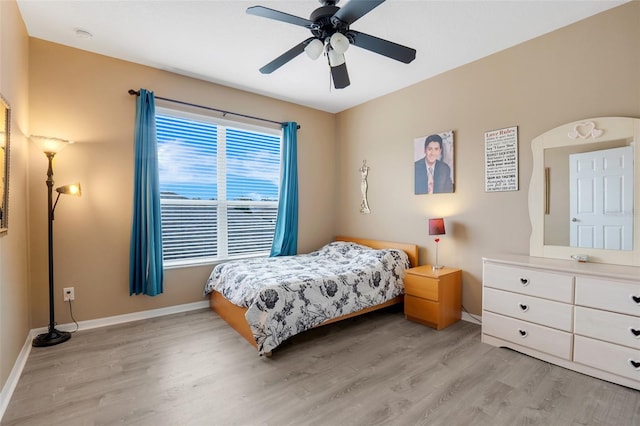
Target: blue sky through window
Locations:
point(188, 163)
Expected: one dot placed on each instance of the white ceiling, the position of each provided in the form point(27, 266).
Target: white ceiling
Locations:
point(217, 41)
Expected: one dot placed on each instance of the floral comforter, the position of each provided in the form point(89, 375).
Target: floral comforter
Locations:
point(287, 295)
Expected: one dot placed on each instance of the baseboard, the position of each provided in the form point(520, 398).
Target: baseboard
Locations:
point(18, 366)
point(469, 318)
point(120, 319)
point(14, 376)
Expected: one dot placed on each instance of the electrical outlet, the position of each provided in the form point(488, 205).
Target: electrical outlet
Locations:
point(68, 294)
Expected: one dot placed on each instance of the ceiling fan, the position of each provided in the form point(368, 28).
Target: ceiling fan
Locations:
point(330, 27)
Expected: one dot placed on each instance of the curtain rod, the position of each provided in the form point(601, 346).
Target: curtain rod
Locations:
point(223, 112)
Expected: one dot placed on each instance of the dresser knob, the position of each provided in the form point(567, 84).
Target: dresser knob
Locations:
point(636, 299)
point(525, 281)
point(634, 364)
point(635, 332)
point(523, 307)
point(524, 334)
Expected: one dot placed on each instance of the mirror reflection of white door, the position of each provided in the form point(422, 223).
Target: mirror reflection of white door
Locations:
point(601, 205)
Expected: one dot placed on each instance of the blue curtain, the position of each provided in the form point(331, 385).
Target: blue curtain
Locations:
point(146, 274)
point(285, 239)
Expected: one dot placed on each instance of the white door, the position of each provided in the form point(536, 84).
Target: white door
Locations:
point(601, 205)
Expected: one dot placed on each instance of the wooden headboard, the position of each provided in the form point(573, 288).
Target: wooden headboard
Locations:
point(410, 249)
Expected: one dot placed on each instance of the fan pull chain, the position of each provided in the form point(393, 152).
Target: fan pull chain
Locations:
point(330, 78)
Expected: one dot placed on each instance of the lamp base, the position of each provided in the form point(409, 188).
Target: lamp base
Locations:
point(53, 337)
point(436, 267)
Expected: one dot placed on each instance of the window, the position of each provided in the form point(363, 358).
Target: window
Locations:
point(219, 184)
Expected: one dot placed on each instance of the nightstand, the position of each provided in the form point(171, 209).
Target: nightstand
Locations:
point(433, 297)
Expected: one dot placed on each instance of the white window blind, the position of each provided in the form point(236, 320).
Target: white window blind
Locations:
point(219, 185)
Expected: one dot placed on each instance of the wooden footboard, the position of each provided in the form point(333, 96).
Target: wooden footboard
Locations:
point(235, 315)
point(394, 301)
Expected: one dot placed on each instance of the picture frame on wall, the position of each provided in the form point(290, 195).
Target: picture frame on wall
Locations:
point(433, 163)
point(5, 142)
point(501, 160)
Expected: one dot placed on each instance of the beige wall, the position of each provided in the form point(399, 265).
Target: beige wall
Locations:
point(589, 69)
point(14, 288)
point(83, 97)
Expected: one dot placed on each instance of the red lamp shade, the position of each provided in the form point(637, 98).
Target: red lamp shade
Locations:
point(436, 226)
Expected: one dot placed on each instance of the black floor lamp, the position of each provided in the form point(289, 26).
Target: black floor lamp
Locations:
point(50, 147)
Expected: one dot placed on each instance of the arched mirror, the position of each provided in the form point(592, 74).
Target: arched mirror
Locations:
point(5, 122)
point(582, 197)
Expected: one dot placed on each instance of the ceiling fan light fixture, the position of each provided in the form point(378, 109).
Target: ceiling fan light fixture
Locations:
point(331, 34)
point(339, 42)
point(314, 49)
point(335, 58)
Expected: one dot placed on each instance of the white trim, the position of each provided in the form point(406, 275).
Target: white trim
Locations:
point(119, 319)
point(12, 381)
point(477, 319)
point(14, 376)
point(209, 117)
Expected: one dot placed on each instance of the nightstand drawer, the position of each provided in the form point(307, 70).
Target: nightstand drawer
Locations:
point(420, 309)
point(415, 285)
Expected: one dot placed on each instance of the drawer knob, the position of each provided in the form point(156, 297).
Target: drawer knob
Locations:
point(635, 332)
point(634, 364)
point(635, 298)
point(524, 334)
point(523, 307)
point(525, 281)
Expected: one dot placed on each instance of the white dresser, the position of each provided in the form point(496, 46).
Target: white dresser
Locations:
point(582, 316)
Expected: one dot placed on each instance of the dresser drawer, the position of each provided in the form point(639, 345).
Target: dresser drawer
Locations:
point(617, 296)
point(544, 339)
point(540, 311)
point(608, 357)
point(608, 326)
point(421, 309)
point(419, 286)
point(531, 282)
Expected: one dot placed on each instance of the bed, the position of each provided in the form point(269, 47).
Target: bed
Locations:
point(267, 307)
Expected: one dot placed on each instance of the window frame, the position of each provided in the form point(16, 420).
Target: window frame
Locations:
point(221, 204)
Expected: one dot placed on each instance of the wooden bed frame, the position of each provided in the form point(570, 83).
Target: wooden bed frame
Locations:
point(235, 315)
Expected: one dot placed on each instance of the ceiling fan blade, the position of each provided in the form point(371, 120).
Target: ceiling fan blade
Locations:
point(383, 47)
point(285, 57)
point(356, 9)
point(265, 12)
point(340, 76)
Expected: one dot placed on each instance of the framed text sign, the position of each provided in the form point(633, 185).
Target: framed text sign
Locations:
point(501, 160)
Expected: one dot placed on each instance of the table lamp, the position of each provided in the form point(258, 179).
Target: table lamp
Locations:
point(436, 227)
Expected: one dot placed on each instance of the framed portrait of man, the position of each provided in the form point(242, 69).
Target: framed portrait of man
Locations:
point(433, 163)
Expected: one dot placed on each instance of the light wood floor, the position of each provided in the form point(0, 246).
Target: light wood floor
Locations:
point(192, 369)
